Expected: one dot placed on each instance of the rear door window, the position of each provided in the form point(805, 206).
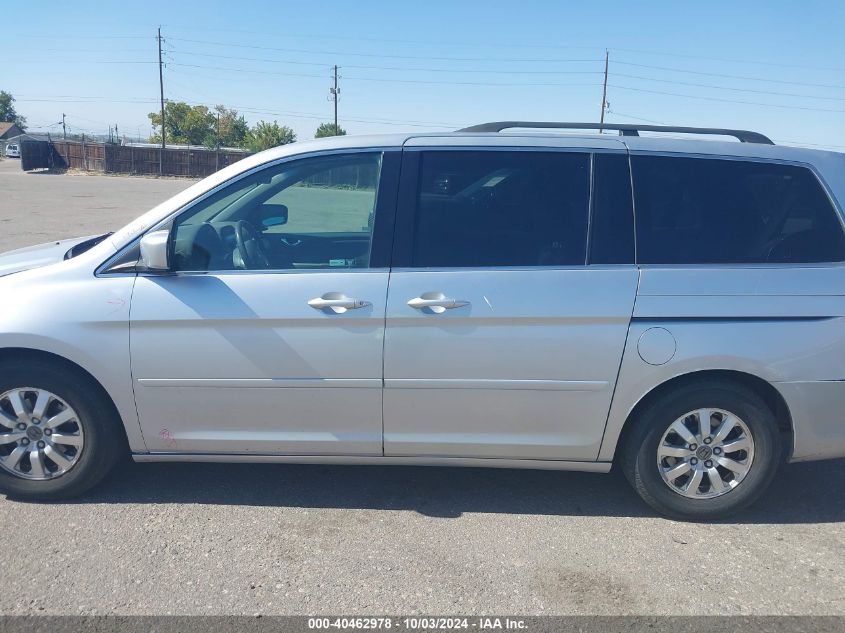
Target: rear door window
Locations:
point(501, 208)
point(714, 211)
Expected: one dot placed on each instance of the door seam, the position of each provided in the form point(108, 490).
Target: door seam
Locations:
point(621, 359)
point(132, 364)
point(383, 352)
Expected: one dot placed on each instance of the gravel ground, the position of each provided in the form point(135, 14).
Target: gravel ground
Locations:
point(273, 539)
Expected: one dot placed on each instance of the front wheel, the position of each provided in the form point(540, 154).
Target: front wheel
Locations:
point(703, 451)
point(59, 435)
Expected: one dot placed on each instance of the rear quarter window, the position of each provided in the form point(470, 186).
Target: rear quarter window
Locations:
point(716, 211)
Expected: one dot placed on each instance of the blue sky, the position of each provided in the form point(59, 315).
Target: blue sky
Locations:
point(777, 67)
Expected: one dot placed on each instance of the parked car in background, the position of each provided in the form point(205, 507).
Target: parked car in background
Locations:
point(13, 150)
point(480, 298)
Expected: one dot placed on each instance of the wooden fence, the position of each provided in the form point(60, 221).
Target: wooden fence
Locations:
point(127, 159)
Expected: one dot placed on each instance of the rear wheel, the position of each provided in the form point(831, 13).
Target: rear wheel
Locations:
point(704, 451)
point(59, 434)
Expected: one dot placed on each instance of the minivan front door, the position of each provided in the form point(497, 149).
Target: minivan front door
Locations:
point(501, 342)
point(267, 336)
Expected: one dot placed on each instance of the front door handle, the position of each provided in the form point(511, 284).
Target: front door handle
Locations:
point(337, 302)
point(437, 302)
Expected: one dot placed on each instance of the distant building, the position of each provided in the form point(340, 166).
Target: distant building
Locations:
point(26, 137)
point(20, 136)
point(8, 130)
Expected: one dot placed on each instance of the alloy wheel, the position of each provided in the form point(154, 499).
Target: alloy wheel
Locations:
point(40, 434)
point(705, 453)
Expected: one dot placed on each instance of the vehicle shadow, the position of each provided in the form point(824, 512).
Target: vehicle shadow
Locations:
point(801, 493)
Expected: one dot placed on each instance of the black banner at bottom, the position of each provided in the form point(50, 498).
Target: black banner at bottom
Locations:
point(515, 623)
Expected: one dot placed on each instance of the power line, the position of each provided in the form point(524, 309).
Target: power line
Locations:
point(247, 70)
point(248, 109)
point(726, 59)
point(405, 68)
point(379, 55)
point(711, 86)
point(190, 89)
point(356, 38)
point(85, 37)
point(500, 44)
point(756, 103)
point(78, 61)
point(91, 50)
point(381, 79)
point(86, 100)
point(545, 60)
point(743, 77)
point(39, 97)
point(471, 83)
point(521, 72)
point(353, 118)
point(488, 71)
point(635, 118)
point(528, 84)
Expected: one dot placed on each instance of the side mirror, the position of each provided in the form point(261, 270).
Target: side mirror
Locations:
point(154, 251)
point(273, 214)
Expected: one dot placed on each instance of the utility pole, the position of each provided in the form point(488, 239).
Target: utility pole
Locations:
point(64, 127)
point(217, 153)
point(335, 92)
point(604, 92)
point(161, 90)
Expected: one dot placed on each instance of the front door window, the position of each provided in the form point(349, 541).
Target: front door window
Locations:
point(314, 213)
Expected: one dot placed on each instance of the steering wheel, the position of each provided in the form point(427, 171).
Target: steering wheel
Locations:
point(250, 246)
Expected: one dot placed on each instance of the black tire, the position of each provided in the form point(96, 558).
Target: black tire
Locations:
point(638, 452)
point(105, 441)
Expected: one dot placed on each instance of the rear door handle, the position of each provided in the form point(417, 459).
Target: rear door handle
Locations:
point(337, 302)
point(437, 302)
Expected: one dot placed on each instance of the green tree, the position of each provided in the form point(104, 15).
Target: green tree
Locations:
point(264, 135)
point(7, 110)
point(185, 124)
point(232, 128)
point(328, 129)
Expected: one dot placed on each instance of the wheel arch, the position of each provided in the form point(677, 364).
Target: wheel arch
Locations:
point(770, 395)
point(19, 354)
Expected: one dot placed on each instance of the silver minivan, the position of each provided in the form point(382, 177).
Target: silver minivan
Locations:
point(482, 298)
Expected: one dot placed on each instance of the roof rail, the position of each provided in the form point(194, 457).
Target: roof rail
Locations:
point(625, 129)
